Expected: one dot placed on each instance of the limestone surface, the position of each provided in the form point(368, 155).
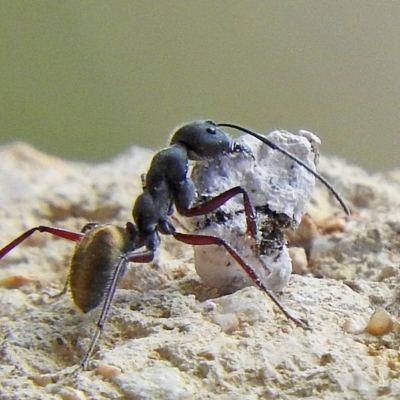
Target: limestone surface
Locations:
point(171, 336)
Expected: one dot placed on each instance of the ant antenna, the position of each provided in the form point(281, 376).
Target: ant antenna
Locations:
point(292, 157)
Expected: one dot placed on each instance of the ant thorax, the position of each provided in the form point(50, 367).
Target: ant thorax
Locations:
point(280, 191)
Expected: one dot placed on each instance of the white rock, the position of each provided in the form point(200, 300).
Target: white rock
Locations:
point(279, 189)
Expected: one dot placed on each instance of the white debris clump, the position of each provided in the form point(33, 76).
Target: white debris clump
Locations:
point(279, 189)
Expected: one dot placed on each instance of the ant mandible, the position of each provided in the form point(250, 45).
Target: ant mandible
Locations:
point(103, 251)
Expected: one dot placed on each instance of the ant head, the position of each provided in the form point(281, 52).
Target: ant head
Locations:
point(203, 140)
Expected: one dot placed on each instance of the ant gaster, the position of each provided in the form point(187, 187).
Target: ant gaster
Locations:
point(103, 251)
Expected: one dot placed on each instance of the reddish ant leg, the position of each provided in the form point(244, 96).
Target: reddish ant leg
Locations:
point(62, 233)
point(214, 203)
point(145, 256)
point(202, 240)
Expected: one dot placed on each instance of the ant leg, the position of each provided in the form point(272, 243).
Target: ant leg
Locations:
point(202, 240)
point(62, 233)
point(132, 256)
point(63, 291)
point(222, 198)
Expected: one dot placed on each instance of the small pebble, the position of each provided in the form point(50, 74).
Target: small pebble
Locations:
point(350, 326)
point(43, 380)
point(72, 394)
point(286, 329)
point(14, 281)
point(380, 323)
point(387, 272)
point(107, 370)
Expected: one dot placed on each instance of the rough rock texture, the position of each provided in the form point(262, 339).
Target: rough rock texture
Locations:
point(279, 190)
point(170, 336)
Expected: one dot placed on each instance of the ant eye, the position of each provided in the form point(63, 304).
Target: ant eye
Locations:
point(211, 131)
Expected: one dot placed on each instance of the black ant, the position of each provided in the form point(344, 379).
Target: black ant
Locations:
point(103, 251)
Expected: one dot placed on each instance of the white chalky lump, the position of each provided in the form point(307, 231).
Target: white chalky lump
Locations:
point(271, 179)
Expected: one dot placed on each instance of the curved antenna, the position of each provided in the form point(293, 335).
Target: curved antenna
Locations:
point(292, 157)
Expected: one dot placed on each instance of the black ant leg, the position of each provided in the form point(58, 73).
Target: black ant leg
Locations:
point(202, 240)
point(62, 233)
point(212, 204)
point(145, 256)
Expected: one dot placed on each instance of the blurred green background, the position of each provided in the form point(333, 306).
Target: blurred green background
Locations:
point(86, 79)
